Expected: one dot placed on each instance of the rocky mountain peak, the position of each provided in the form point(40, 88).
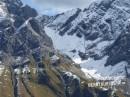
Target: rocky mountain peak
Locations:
point(103, 21)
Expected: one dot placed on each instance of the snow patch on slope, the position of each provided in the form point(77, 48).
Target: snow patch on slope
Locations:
point(66, 43)
point(97, 69)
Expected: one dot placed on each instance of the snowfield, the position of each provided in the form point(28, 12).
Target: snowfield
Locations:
point(92, 68)
point(66, 43)
point(97, 69)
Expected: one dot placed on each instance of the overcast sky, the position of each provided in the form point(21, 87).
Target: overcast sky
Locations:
point(51, 7)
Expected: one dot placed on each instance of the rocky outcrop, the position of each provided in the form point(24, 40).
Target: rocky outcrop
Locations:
point(120, 47)
point(20, 31)
point(72, 85)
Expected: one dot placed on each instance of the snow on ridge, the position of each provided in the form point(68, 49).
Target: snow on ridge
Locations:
point(79, 18)
point(63, 18)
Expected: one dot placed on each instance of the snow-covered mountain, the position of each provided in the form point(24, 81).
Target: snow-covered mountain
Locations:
point(98, 34)
point(34, 66)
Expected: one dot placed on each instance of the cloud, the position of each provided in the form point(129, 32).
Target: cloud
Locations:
point(56, 6)
point(64, 4)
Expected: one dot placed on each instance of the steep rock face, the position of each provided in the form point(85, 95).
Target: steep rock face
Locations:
point(120, 47)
